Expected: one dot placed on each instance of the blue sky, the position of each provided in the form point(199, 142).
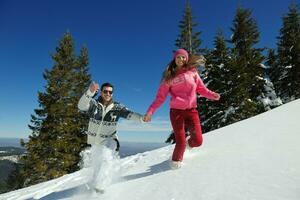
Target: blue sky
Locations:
point(130, 42)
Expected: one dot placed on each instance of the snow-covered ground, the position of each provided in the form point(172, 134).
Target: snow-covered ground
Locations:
point(257, 158)
point(14, 158)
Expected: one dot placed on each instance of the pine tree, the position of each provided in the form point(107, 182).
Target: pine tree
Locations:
point(217, 79)
point(287, 71)
point(188, 39)
point(57, 126)
point(269, 96)
point(272, 63)
point(271, 58)
point(246, 71)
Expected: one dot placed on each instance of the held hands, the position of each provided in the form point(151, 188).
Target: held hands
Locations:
point(94, 87)
point(147, 118)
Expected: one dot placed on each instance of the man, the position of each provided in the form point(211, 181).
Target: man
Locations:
point(104, 114)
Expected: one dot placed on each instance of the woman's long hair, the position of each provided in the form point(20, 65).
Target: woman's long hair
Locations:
point(171, 71)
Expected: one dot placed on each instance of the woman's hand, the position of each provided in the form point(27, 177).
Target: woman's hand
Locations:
point(147, 118)
point(217, 97)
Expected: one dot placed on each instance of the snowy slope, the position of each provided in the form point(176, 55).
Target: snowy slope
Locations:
point(257, 158)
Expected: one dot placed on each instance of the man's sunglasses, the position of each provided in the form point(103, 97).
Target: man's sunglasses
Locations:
point(107, 91)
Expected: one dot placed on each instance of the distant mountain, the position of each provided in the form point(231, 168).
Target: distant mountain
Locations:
point(10, 151)
point(132, 148)
point(11, 142)
point(6, 167)
point(9, 157)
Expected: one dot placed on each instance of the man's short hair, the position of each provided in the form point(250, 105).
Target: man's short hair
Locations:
point(106, 85)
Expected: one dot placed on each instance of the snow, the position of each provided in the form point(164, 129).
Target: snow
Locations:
point(264, 66)
point(221, 65)
point(14, 158)
point(259, 78)
point(269, 97)
point(229, 111)
point(257, 158)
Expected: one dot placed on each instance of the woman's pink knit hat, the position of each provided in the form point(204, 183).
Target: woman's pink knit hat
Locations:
point(181, 52)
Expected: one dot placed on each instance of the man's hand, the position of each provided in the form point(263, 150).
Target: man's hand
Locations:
point(147, 118)
point(94, 87)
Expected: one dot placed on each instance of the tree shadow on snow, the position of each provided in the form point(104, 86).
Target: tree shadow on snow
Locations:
point(154, 169)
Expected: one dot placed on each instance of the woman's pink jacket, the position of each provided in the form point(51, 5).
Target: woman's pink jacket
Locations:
point(183, 89)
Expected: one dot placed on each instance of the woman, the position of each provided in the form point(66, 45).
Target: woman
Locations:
point(182, 81)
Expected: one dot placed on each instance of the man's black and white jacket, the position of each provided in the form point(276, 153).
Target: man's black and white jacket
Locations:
point(103, 119)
